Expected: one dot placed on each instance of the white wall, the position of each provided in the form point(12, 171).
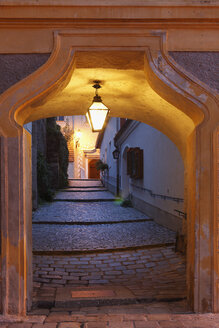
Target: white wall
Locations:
point(161, 191)
point(163, 169)
point(107, 147)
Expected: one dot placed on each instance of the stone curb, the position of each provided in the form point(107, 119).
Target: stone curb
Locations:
point(91, 222)
point(85, 200)
point(103, 250)
point(102, 302)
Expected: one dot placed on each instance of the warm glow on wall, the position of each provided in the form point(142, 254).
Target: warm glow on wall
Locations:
point(78, 134)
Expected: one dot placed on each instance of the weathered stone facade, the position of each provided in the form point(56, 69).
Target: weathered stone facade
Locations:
point(15, 67)
point(203, 65)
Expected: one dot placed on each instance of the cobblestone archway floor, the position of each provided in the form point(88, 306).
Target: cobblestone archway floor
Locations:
point(89, 244)
point(150, 274)
point(101, 282)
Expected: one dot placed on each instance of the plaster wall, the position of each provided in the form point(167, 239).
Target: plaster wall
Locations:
point(107, 147)
point(196, 21)
point(87, 139)
point(163, 168)
point(83, 139)
point(161, 191)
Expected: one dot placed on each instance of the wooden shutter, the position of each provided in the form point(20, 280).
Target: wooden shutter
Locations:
point(129, 162)
point(135, 165)
point(140, 164)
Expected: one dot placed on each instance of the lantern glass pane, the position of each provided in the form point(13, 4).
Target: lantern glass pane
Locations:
point(98, 105)
point(88, 119)
point(97, 117)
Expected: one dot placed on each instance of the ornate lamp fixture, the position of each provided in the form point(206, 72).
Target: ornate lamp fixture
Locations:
point(97, 112)
point(116, 153)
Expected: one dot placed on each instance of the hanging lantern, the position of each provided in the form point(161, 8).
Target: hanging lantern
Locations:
point(97, 113)
point(116, 153)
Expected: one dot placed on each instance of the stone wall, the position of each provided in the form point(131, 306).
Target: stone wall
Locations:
point(14, 68)
point(203, 65)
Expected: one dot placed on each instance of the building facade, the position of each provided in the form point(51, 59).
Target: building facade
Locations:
point(158, 190)
point(81, 145)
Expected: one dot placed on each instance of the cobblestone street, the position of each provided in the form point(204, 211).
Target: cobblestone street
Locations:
point(91, 244)
point(160, 315)
point(82, 278)
point(152, 274)
point(80, 219)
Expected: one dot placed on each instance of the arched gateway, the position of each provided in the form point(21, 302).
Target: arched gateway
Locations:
point(141, 82)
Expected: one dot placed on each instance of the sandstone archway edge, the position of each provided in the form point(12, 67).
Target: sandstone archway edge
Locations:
point(19, 104)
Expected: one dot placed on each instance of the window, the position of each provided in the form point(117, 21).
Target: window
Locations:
point(60, 118)
point(135, 163)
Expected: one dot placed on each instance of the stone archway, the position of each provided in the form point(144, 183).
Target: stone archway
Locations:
point(173, 103)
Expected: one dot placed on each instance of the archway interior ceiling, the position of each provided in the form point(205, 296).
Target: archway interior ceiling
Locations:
point(125, 91)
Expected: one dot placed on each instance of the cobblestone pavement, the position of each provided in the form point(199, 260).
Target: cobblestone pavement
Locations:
point(84, 195)
point(63, 237)
point(149, 273)
point(84, 189)
point(86, 212)
point(145, 278)
point(105, 236)
point(155, 315)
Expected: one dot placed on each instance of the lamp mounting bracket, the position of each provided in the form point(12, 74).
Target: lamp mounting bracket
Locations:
point(97, 84)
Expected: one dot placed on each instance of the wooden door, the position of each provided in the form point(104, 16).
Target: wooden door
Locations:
point(93, 172)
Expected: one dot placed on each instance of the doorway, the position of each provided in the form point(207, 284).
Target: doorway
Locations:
point(93, 172)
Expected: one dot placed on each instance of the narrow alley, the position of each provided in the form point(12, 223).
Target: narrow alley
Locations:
point(92, 253)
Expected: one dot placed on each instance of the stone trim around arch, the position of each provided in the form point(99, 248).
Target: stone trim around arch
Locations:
point(19, 104)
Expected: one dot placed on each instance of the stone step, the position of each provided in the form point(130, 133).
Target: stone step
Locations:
point(87, 187)
point(85, 183)
point(84, 200)
point(99, 250)
point(83, 190)
point(97, 295)
point(84, 180)
point(83, 196)
point(90, 222)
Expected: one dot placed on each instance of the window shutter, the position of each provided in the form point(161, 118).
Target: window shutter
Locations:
point(129, 162)
point(141, 164)
point(135, 165)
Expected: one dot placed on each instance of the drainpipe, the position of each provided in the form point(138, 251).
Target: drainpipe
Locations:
point(116, 156)
point(117, 177)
